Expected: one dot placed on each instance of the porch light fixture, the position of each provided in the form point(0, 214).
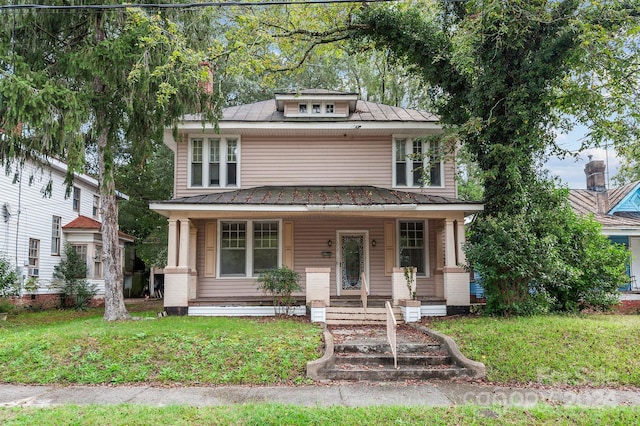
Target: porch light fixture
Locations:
point(373, 243)
point(329, 243)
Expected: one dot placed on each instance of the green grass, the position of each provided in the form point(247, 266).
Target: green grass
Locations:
point(600, 350)
point(68, 347)
point(272, 414)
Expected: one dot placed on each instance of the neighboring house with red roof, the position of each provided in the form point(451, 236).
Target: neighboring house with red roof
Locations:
point(35, 226)
point(345, 192)
point(616, 209)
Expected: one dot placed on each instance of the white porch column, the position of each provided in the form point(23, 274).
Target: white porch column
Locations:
point(172, 252)
point(449, 244)
point(176, 274)
point(193, 276)
point(462, 259)
point(455, 277)
point(185, 234)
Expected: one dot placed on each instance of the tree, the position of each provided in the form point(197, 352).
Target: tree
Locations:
point(507, 73)
point(70, 79)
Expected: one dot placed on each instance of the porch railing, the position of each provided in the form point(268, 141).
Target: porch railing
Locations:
point(391, 333)
point(364, 290)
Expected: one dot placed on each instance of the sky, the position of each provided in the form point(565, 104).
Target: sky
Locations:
point(571, 170)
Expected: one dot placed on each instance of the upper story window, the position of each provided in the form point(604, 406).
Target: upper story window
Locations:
point(214, 162)
point(417, 163)
point(56, 228)
point(316, 108)
point(76, 199)
point(96, 207)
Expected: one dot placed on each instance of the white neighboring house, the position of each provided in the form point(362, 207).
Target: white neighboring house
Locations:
point(34, 226)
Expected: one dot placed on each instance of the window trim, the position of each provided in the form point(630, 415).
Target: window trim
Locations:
point(86, 256)
point(222, 151)
point(426, 146)
point(248, 248)
point(427, 266)
point(97, 260)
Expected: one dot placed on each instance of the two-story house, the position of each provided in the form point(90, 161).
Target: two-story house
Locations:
point(343, 191)
point(36, 225)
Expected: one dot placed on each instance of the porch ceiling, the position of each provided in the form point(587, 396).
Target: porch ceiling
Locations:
point(317, 199)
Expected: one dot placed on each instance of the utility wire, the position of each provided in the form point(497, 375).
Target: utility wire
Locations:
point(185, 5)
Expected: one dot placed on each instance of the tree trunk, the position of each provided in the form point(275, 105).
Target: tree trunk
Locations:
point(114, 308)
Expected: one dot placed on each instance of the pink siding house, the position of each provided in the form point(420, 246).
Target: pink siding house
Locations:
point(345, 192)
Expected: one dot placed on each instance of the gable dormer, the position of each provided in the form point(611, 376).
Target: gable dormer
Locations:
point(316, 104)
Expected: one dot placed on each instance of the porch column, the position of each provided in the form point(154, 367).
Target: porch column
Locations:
point(456, 279)
point(193, 272)
point(185, 234)
point(177, 277)
point(172, 252)
point(461, 238)
point(399, 286)
point(317, 292)
point(449, 243)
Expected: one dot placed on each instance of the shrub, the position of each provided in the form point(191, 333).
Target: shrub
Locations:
point(9, 278)
point(69, 277)
point(545, 258)
point(280, 283)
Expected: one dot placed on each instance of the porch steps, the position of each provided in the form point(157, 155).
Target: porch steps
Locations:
point(370, 359)
point(345, 315)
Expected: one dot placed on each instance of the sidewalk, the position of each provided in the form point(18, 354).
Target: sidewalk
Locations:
point(343, 394)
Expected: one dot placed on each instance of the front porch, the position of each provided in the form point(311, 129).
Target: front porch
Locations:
point(341, 251)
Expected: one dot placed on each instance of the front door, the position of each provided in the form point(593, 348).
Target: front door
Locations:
point(352, 261)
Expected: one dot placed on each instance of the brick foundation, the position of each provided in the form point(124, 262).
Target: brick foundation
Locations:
point(47, 301)
point(628, 307)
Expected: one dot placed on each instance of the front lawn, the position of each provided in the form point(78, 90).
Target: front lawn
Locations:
point(275, 414)
point(595, 349)
point(68, 347)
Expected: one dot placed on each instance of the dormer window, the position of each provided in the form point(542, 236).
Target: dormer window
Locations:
point(315, 109)
point(302, 108)
point(329, 108)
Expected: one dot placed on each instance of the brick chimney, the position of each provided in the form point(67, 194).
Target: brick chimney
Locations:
point(595, 175)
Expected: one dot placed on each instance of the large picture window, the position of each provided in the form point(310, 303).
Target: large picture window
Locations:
point(412, 246)
point(214, 162)
point(248, 247)
point(417, 163)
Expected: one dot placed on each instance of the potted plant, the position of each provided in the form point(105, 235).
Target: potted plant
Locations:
point(9, 282)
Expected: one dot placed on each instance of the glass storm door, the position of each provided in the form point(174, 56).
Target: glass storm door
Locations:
point(353, 258)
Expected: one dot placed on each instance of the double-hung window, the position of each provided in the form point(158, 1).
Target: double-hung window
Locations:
point(76, 199)
point(34, 257)
point(417, 163)
point(214, 162)
point(56, 230)
point(412, 245)
point(248, 248)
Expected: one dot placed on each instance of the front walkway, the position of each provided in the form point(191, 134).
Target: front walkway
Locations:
point(402, 394)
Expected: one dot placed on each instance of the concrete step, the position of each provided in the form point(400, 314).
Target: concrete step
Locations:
point(347, 321)
point(380, 360)
point(389, 373)
point(383, 347)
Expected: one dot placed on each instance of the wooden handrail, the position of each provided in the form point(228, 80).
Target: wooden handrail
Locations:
point(364, 291)
point(391, 333)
